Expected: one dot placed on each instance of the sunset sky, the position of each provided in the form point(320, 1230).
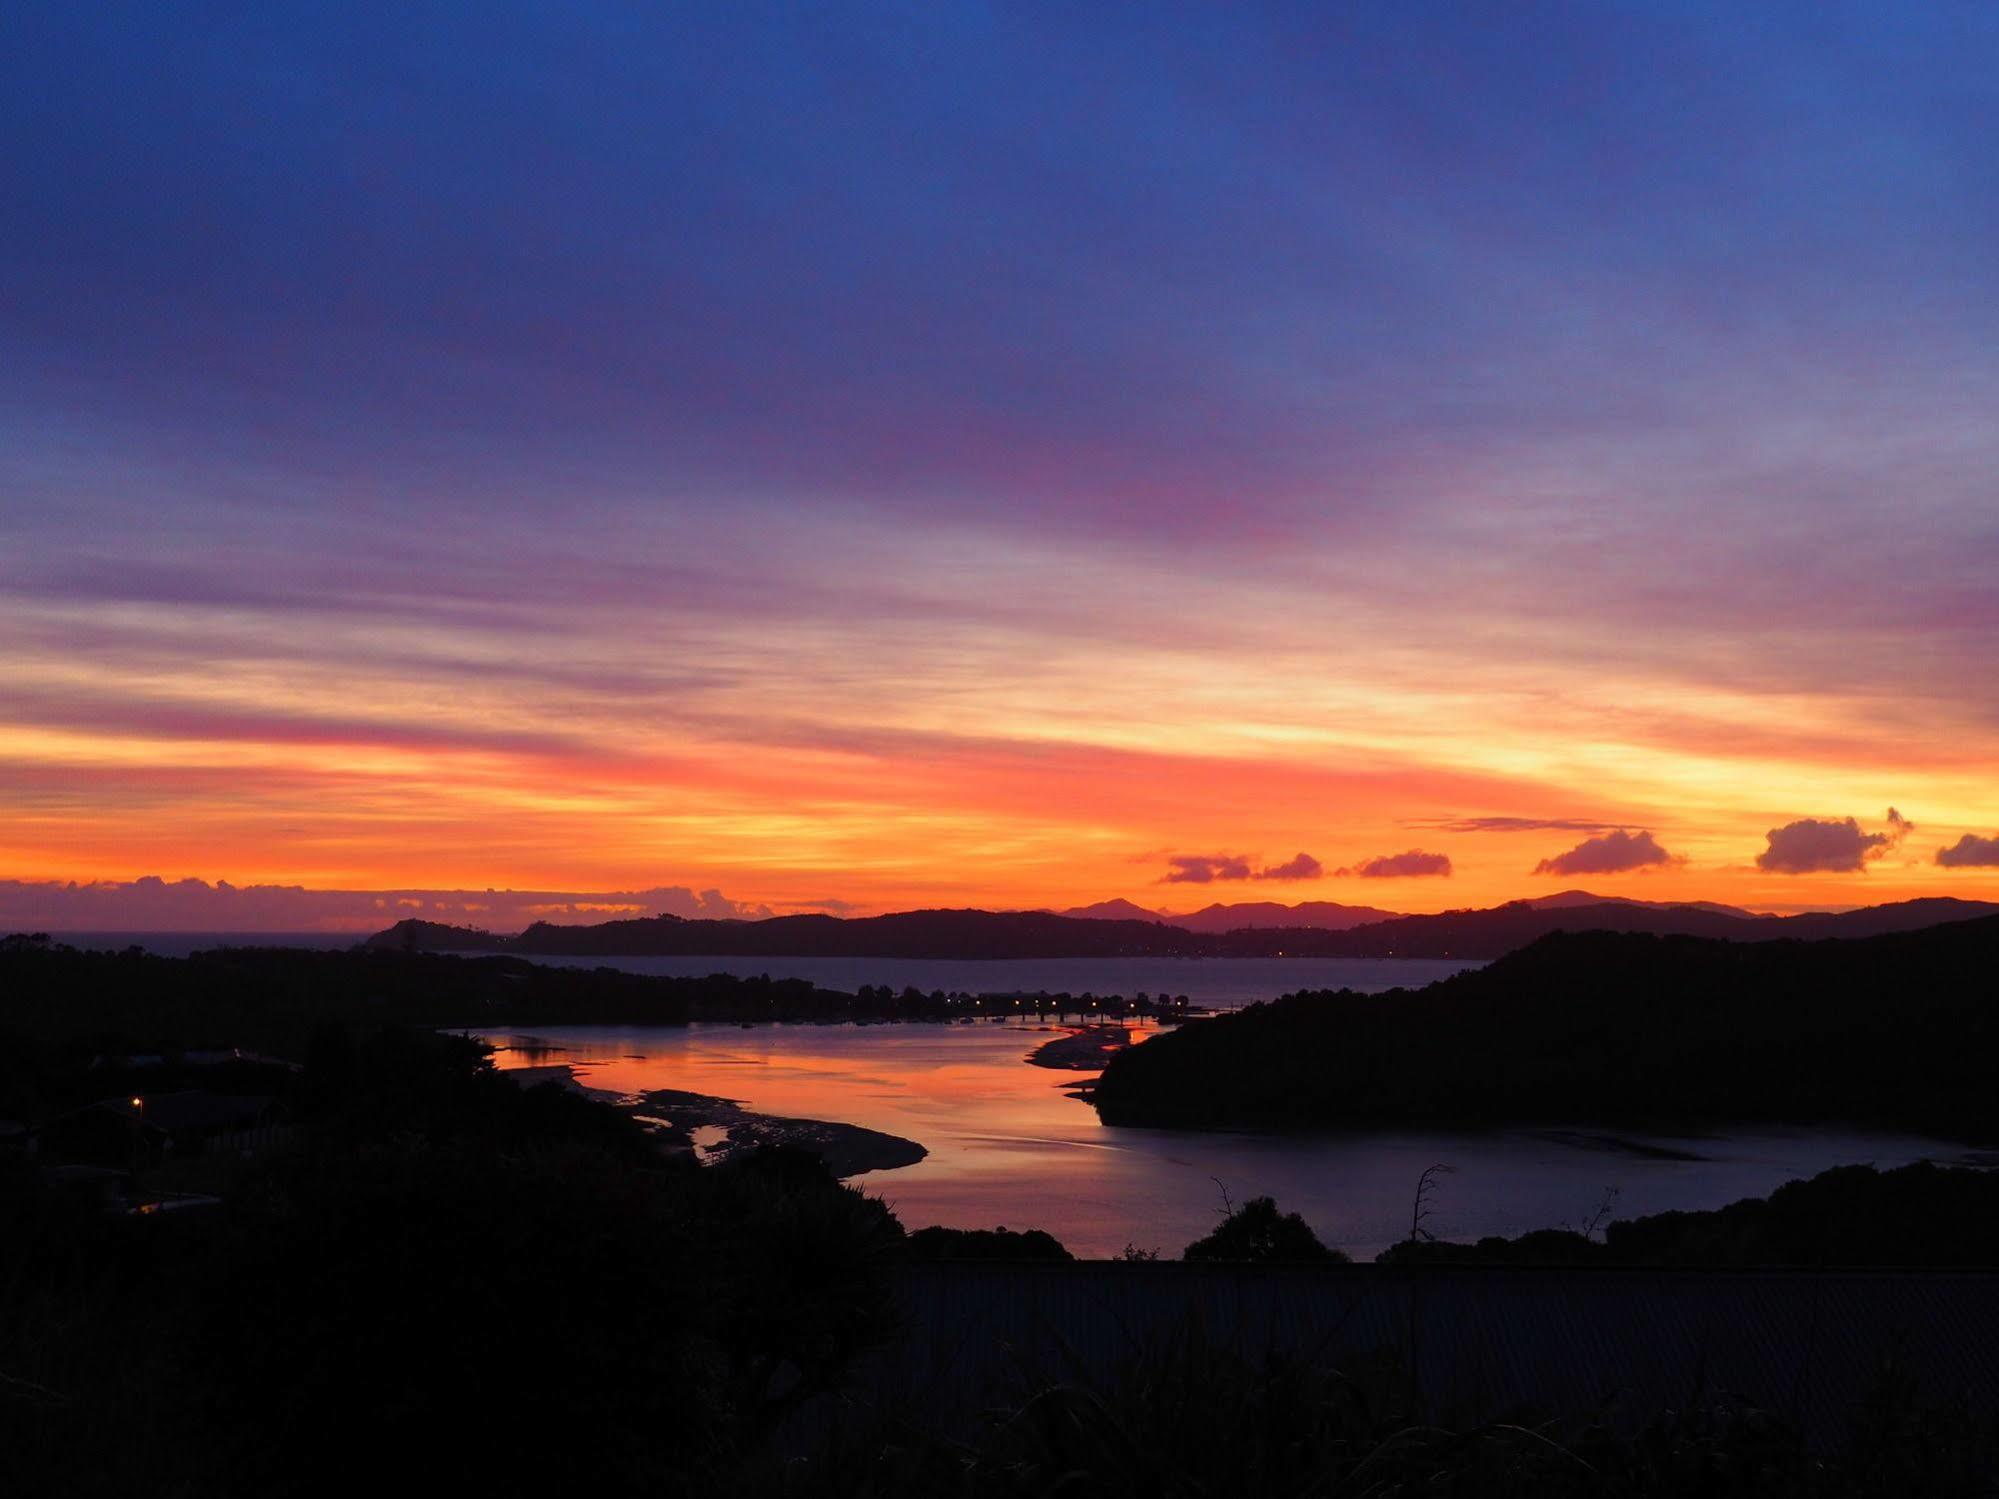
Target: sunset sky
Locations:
point(859, 457)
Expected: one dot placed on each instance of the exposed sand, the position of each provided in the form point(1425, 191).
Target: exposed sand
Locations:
point(1083, 1049)
point(847, 1149)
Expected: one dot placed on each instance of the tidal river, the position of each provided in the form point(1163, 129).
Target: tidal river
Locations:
point(1009, 1146)
point(1216, 983)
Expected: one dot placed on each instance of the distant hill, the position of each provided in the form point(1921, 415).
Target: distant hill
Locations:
point(904, 934)
point(1267, 915)
point(1473, 934)
point(1113, 910)
point(1566, 898)
point(435, 936)
point(1897, 1029)
point(1255, 915)
point(1498, 930)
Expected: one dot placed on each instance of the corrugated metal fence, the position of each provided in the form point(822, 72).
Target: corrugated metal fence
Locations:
point(1475, 1343)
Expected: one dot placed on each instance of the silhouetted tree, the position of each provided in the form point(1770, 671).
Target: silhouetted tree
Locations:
point(1257, 1232)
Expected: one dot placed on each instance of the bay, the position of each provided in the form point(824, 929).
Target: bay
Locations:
point(1009, 1146)
point(1218, 983)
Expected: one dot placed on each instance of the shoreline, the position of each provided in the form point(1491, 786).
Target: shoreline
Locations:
point(848, 1150)
point(1082, 1048)
point(674, 1118)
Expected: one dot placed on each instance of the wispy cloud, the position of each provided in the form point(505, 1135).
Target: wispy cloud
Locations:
point(1512, 825)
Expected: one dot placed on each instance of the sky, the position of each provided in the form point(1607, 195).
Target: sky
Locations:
point(869, 456)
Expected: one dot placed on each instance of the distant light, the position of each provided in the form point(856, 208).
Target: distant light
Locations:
point(138, 1103)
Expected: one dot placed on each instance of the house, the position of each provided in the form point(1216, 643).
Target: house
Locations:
point(150, 1126)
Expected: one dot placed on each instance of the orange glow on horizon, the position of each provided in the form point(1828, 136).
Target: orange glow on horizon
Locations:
point(864, 766)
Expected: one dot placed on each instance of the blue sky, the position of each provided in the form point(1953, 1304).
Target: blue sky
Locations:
point(1614, 381)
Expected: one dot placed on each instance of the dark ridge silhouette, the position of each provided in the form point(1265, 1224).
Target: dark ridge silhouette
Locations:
point(1469, 934)
point(1937, 1217)
point(1114, 910)
point(905, 934)
point(1315, 915)
point(413, 935)
point(1562, 899)
point(1899, 1029)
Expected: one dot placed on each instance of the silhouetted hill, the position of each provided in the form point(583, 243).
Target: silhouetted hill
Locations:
point(1496, 931)
point(1562, 899)
point(1314, 915)
point(1873, 921)
point(1924, 1214)
point(1899, 1029)
point(1113, 910)
point(436, 936)
point(1476, 934)
point(904, 934)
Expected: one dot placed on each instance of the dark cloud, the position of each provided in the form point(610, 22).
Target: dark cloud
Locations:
point(1413, 864)
point(1514, 825)
point(1297, 867)
point(1819, 846)
point(1613, 853)
point(1971, 852)
point(151, 904)
point(1205, 869)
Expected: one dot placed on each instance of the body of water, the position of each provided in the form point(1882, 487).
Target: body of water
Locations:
point(1219, 983)
point(181, 944)
point(1009, 1146)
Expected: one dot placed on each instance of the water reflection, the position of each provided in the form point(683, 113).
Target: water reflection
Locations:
point(1009, 1145)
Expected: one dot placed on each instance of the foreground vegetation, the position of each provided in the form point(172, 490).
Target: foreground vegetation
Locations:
point(420, 1270)
point(508, 1285)
point(1187, 1418)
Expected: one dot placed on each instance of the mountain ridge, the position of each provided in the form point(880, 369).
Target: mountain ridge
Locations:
point(1473, 934)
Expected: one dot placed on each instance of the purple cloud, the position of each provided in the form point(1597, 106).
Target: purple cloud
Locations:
point(1204, 869)
point(1613, 853)
point(1820, 846)
point(1297, 867)
point(1414, 864)
point(151, 904)
point(1970, 852)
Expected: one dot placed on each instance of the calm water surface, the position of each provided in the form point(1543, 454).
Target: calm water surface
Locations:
point(1009, 1146)
point(1219, 983)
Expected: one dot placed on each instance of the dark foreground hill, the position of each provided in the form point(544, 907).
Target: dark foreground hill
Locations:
point(1474, 935)
point(1898, 1030)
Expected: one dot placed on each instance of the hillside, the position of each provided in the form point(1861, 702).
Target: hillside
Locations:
point(1899, 1029)
point(1314, 915)
point(1482, 934)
